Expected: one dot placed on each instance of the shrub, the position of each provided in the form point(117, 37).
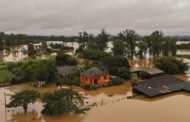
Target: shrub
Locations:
point(115, 81)
point(124, 73)
point(143, 75)
point(70, 80)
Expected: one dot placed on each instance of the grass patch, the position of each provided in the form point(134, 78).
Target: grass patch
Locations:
point(140, 97)
point(5, 75)
point(110, 95)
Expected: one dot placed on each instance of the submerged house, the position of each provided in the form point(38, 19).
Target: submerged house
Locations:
point(161, 85)
point(94, 76)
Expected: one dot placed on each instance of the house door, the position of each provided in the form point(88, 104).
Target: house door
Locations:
point(96, 81)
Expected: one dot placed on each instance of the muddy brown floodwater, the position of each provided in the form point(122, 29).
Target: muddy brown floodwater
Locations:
point(170, 108)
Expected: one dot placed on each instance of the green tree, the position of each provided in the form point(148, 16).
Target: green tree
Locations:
point(63, 101)
point(169, 47)
point(31, 50)
point(83, 40)
point(113, 63)
point(118, 48)
point(23, 99)
point(142, 49)
point(46, 71)
point(157, 39)
point(129, 37)
point(102, 40)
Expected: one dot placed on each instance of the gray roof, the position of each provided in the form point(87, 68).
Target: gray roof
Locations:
point(162, 85)
point(94, 72)
point(153, 71)
point(66, 70)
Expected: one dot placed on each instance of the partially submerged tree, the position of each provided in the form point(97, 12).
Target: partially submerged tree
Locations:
point(31, 50)
point(23, 99)
point(142, 49)
point(130, 38)
point(63, 101)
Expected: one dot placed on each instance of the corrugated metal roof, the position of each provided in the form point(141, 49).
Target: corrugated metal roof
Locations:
point(153, 71)
point(162, 85)
point(66, 70)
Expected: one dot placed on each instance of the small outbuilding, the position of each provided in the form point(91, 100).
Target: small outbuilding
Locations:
point(161, 85)
point(153, 71)
point(146, 73)
point(67, 70)
point(94, 76)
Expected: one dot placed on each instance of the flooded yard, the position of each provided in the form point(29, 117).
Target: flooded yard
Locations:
point(173, 107)
point(112, 102)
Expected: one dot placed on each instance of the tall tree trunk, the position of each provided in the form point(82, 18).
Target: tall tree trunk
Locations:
point(25, 107)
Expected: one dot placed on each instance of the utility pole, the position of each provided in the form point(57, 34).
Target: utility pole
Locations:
point(5, 107)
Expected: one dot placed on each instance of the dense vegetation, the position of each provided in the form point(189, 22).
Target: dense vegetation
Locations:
point(114, 63)
point(183, 46)
point(171, 65)
point(21, 39)
point(43, 70)
point(94, 54)
point(64, 59)
point(129, 43)
point(5, 75)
